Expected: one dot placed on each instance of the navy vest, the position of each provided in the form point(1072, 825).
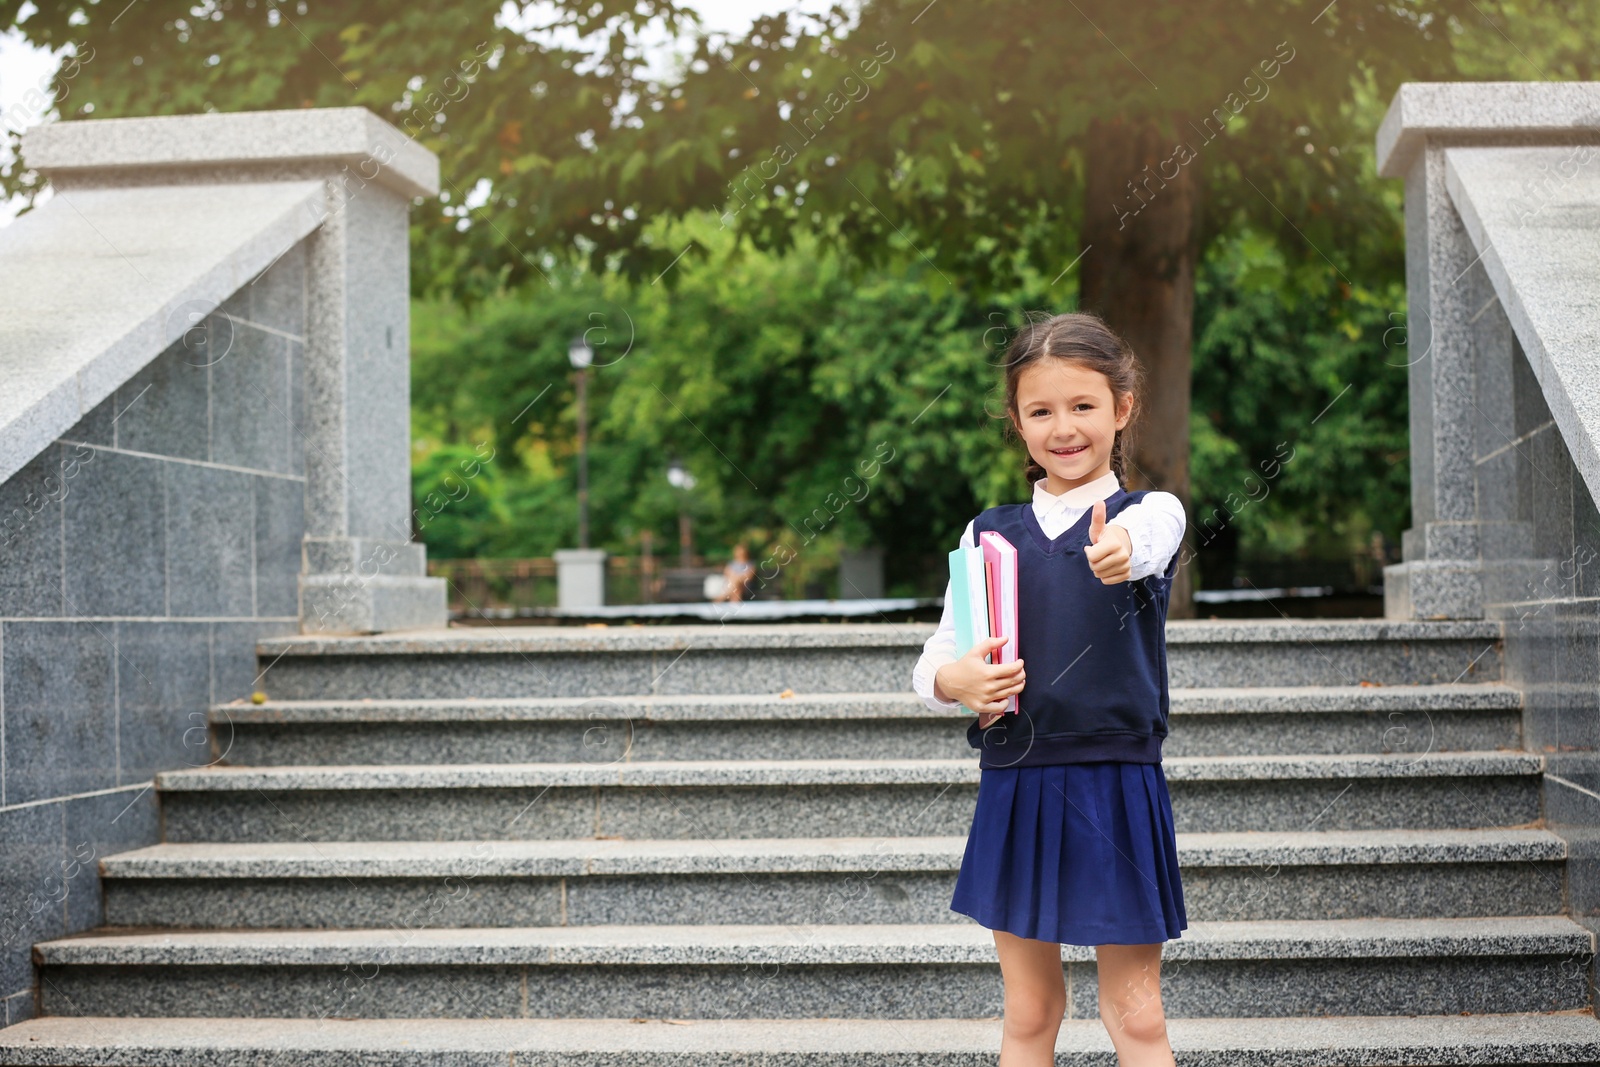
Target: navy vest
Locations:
point(1095, 654)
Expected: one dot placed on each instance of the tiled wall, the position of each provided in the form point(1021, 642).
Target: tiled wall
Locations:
point(1553, 624)
point(141, 556)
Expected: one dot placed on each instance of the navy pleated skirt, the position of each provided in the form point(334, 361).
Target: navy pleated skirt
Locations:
point(1075, 853)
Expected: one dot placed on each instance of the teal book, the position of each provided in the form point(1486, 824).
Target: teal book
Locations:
point(968, 600)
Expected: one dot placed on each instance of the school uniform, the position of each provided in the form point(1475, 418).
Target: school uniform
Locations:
point(1072, 839)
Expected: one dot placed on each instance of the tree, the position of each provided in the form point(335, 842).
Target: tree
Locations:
point(985, 136)
point(506, 105)
point(988, 138)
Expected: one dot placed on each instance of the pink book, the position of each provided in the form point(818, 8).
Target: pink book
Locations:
point(1000, 561)
point(990, 592)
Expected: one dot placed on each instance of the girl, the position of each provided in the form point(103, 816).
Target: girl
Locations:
point(1072, 841)
point(737, 575)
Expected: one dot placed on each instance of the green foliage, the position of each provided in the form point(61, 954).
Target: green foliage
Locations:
point(776, 377)
point(531, 122)
point(947, 134)
point(460, 500)
point(809, 242)
point(1299, 421)
point(1529, 40)
point(813, 411)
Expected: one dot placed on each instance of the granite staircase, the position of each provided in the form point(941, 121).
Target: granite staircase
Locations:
point(662, 845)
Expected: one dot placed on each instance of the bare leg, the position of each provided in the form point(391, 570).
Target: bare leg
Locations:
point(1036, 999)
point(1130, 1004)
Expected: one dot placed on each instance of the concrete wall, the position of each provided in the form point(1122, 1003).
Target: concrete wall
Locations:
point(141, 557)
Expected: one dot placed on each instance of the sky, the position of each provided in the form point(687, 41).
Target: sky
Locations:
point(25, 69)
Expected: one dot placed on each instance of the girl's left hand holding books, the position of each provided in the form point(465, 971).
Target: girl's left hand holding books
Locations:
point(978, 684)
point(1110, 549)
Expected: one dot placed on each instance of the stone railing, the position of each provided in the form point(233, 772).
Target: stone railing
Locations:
point(204, 441)
point(1502, 209)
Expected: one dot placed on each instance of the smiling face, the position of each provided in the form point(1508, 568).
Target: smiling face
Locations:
point(1068, 419)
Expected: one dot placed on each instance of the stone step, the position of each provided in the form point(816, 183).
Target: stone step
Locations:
point(522, 662)
point(815, 798)
point(1320, 1041)
point(1279, 720)
point(1332, 874)
point(1220, 969)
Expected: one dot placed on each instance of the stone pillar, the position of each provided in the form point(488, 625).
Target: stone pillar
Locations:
point(359, 570)
point(861, 573)
point(1460, 551)
point(580, 577)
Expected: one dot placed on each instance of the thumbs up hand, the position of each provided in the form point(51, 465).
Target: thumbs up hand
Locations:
point(1110, 549)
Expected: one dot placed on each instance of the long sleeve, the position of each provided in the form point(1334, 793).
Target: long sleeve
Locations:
point(1155, 526)
point(940, 648)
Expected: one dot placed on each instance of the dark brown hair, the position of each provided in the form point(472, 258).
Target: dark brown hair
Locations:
point(1082, 338)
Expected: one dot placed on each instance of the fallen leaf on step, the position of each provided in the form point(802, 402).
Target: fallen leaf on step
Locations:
point(787, 693)
point(595, 625)
point(690, 1022)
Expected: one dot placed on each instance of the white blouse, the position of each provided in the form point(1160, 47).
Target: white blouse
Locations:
point(1155, 527)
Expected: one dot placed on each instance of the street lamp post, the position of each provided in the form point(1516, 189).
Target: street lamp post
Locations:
point(581, 355)
point(581, 571)
point(678, 475)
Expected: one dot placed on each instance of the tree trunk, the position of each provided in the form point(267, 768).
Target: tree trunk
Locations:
point(1140, 241)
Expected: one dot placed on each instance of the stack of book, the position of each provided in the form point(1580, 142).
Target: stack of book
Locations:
point(983, 593)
